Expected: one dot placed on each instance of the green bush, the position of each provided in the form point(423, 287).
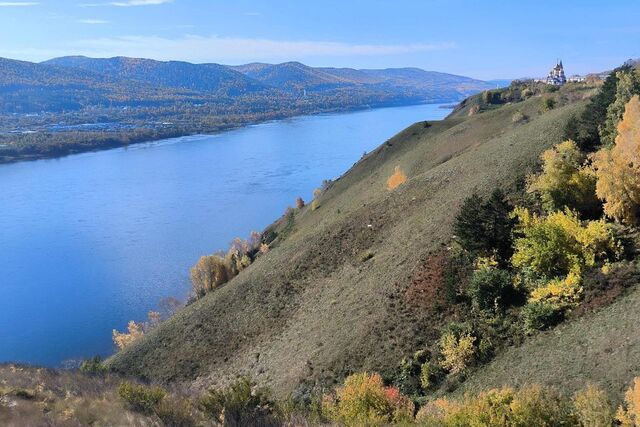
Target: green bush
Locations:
point(93, 366)
point(141, 398)
point(540, 315)
point(240, 404)
point(548, 104)
point(492, 289)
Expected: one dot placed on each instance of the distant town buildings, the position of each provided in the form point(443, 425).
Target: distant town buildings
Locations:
point(556, 76)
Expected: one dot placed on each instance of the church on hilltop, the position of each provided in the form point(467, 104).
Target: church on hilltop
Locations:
point(556, 76)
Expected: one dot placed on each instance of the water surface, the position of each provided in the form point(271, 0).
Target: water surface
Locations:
point(90, 241)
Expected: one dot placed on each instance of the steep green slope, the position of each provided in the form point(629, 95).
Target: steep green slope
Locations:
point(329, 298)
point(601, 348)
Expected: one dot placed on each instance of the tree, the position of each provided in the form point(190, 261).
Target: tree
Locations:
point(209, 272)
point(628, 86)
point(458, 351)
point(618, 168)
point(565, 182)
point(484, 227)
point(135, 331)
point(397, 179)
point(595, 113)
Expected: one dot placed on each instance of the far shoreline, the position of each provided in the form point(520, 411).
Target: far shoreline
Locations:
point(7, 160)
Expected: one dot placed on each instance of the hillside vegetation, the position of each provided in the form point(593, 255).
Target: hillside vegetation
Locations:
point(342, 288)
point(481, 270)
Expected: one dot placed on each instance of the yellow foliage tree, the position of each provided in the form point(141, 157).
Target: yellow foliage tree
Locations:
point(135, 331)
point(397, 179)
point(592, 407)
point(209, 272)
point(565, 181)
point(560, 243)
point(628, 415)
point(618, 168)
point(458, 352)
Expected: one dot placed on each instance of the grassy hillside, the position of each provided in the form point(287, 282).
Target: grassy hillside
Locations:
point(333, 295)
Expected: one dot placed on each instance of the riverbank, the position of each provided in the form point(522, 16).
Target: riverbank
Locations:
point(39, 145)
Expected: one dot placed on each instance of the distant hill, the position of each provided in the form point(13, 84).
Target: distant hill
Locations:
point(297, 76)
point(175, 74)
point(29, 87)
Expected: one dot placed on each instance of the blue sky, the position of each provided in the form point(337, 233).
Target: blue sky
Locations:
point(483, 39)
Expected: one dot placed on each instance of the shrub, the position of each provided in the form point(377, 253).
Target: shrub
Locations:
point(492, 289)
point(518, 117)
point(299, 203)
point(592, 407)
point(485, 227)
point(559, 293)
point(540, 315)
point(240, 404)
point(176, 412)
point(93, 366)
point(540, 406)
point(315, 204)
point(618, 169)
point(564, 182)
point(141, 398)
point(397, 179)
point(458, 351)
point(426, 374)
point(505, 407)
point(364, 400)
point(407, 377)
point(548, 104)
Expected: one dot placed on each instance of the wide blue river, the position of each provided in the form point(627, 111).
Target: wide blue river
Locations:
point(90, 241)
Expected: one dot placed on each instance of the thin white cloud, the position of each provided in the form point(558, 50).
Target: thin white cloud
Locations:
point(226, 49)
point(93, 21)
point(18, 3)
point(127, 3)
point(221, 49)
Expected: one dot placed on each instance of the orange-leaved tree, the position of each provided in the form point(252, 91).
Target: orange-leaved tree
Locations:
point(398, 178)
point(618, 168)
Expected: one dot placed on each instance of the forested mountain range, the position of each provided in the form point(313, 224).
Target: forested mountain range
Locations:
point(72, 104)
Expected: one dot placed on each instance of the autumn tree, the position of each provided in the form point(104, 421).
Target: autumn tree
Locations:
point(565, 181)
point(397, 179)
point(209, 272)
point(628, 85)
point(618, 168)
point(123, 339)
point(365, 400)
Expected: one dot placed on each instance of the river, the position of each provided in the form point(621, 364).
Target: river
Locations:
point(90, 241)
